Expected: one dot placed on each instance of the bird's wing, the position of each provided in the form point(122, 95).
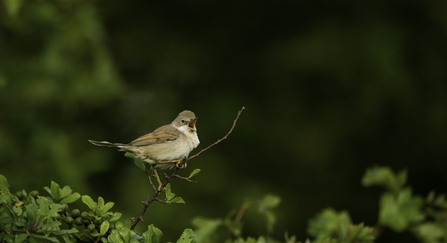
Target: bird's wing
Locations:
point(163, 134)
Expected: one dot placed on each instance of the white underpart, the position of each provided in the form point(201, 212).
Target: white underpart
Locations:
point(193, 139)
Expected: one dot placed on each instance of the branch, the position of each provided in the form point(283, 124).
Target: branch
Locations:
point(150, 200)
point(240, 213)
point(223, 138)
point(185, 178)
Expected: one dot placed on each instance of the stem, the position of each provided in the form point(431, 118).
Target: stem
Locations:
point(223, 138)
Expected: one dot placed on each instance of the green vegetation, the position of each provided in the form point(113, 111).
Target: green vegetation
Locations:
point(331, 88)
point(34, 218)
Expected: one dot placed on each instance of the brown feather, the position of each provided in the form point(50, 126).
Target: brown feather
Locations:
point(163, 134)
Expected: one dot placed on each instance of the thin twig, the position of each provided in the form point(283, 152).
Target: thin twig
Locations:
point(150, 200)
point(154, 197)
point(223, 138)
point(143, 211)
point(149, 174)
point(185, 178)
point(240, 213)
point(162, 201)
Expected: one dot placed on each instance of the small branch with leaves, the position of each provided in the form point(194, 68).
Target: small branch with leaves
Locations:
point(165, 186)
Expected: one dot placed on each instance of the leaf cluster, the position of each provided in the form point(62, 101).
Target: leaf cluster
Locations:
point(401, 210)
point(29, 217)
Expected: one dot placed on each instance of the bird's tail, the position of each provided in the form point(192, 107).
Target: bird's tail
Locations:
point(107, 144)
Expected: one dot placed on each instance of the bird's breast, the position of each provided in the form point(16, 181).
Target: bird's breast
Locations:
point(194, 139)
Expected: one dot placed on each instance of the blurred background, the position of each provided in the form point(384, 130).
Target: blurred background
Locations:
point(330, 90)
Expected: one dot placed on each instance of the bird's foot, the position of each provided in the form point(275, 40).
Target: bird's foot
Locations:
point(181, 163)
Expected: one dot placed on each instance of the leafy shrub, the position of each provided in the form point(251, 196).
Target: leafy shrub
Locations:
point(30, 217)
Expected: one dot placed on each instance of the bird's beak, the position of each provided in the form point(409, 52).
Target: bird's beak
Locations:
point(192, 124)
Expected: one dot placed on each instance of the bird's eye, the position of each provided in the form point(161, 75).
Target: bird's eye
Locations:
point(183, 121)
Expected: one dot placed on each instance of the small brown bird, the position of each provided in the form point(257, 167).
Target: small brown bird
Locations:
point(166, 146)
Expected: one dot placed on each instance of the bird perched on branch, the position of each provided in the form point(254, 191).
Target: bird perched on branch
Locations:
point(166, 146)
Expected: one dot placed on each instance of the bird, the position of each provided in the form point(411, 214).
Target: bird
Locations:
point(165, 147)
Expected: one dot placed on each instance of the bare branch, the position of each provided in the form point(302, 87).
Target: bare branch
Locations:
point(223, 138)
point(185, 178)
point(240, 213)
point(162, 201)
point(149, 174)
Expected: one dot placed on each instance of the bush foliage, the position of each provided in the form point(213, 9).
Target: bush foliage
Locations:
point(31, 217)
point(326, 85)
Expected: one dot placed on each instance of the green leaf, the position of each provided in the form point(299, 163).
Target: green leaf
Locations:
point(430, 232)
point(290, 239)
point(136, 238)
point(205, 227)
point(20, 238)
point(329, 223)
point(384, 176)
point(119, 225)
point(152, 235)
point(46, 238)
point(125, 234)
point(187, 236)
point(55, 191)
point(50, 225)
point(177, 200)
point(194, 172)
point(104, 228)
point(48, 190)
point(100, 202)
point(359, 233)
point(44, 202)
point(116, 216)
point(261, 239)
point(66, 191)
point(65, 231)
point(431, 197)
point(127, 223)
point(130, 155)
point(169, 194)
point(17, 210)
point(401, 179)
point(71, 198)
point(114, 237)
point(31, 211)
point(66, 238)
point(250, 240)
point(440, 201)
point(271, 220)
point(268, 202)
point(42, 211)
point(136, 161)
point(328, 240)
point(55, 208)
point(107, 207)
point(400, 210)
point(4, 186)
point(87, 200)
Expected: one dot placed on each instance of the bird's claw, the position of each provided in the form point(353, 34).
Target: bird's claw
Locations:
point(181, 164)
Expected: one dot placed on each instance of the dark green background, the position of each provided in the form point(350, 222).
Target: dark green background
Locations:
point(330, 90)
